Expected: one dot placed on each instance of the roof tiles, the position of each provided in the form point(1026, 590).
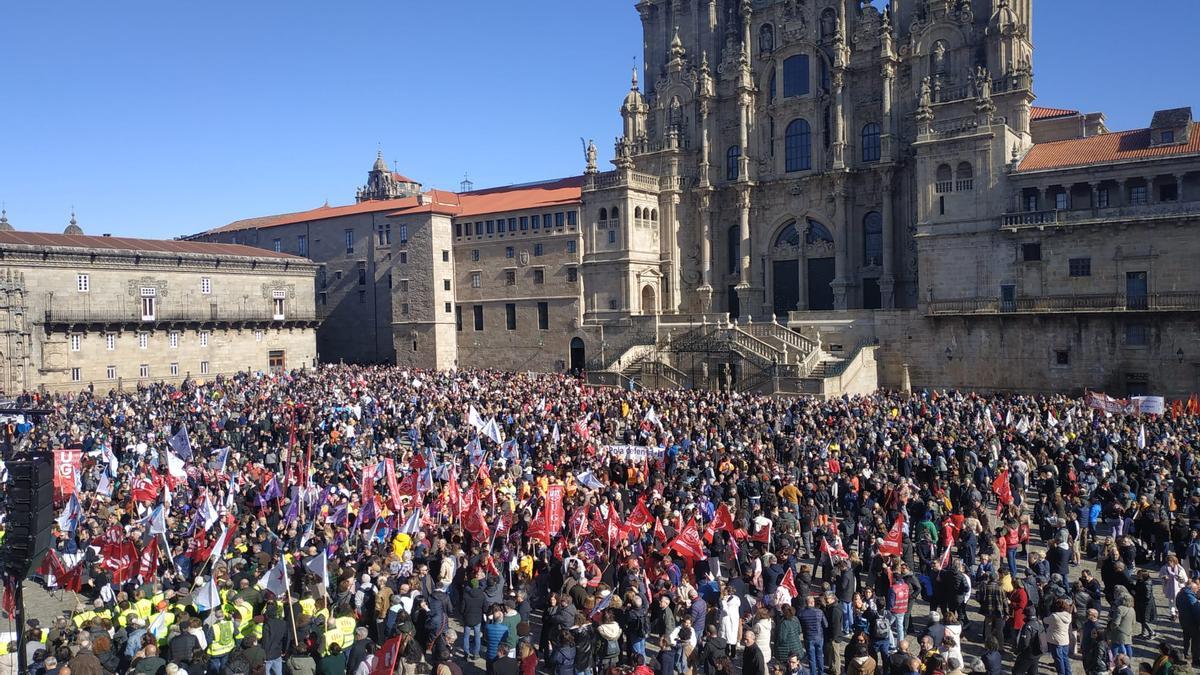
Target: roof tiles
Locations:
point(44, 239)
point(1104, 148)
point(1039, 113)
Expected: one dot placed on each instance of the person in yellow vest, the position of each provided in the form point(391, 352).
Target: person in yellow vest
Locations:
point(142, 604)
point(160, 622)
point(222, 638)
point(346, 625)
point(245, 616)
point(330, 636)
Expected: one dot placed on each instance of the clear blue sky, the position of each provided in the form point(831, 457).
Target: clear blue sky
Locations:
point(164, 118)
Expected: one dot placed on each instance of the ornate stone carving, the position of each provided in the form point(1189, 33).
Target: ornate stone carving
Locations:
point(269, 288)
point(134, 286)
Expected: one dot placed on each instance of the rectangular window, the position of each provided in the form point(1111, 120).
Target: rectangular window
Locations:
point(510, 277)
point(560, 219)
point(404, 285)
point(572, 218)
point(172, 339)
point(509, 252)
point(302, 244)
point(258, 336)
point(1062, 357)
point(204, 367)
point(110, 341)
point(205, 285)
point(445, 256)
point(1060, 201)
point(1137, 335)
point(547, 219)
point(403, 234)
point(572, 275)
point(543, 316)
point(204, 338)
point(76, 375)
point(1166, 137)
point(1168, 192)
point(571, 246)
point(458, 318)
point(362, 276)
point(512, 224)
point(539, 249)
point(1102, 198)
point(323, 298)
point(524, 223)
point(403, 257)
point(479, 229)
point(277, 245)
point(536, 221)
point(76, 342)
point(539, 276)
point(82, 283)
point(1031, 252)
point(1137, 195)
point(510, 316)
point(795, 76)
point(144, 370)
point(404, 309)
point(174, 368)
point(148, 297)
point(447, 308)
point(477, 310)
point(474, 255)
point(349, 241)
point(445, 284)
point(476, 280)
point(1031, 201)
point(458, 229)
point(1080, 267)
point(143, 340)
point(491, 227)
point(278, 307)
point(111, 372)
point(612, 236)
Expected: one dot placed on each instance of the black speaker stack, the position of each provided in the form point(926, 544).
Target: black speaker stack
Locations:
point(29, 508)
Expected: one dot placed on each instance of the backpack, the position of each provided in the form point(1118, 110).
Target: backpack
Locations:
point(1039, 645)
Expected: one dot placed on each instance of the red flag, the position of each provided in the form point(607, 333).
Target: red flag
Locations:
point(147, 566)
point(944, 561)
point(789, 582)
point(555, 514)
point(537, 530)
point(579, 523)
point(9, 600)
point(66, 468)
point(367, 482)
point(389, 470)
point(722, 520)
point(763, 535)
point(640, 515)
point(1002, 488)
point(614, 530)
point(452, 496)
point(659, 533)
point(387, 657)
point(893, 543)
point(833, 553)
point(122, 560)
point(408, 487)
point(687, 543)
point(145, 488)
point(417, 462)
point(475, 523)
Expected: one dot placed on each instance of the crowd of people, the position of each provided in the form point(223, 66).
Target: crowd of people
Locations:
point(357, 520)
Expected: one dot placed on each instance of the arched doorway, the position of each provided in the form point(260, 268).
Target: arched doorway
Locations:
point(648, 304)
point(578, 354)
point(802, 267)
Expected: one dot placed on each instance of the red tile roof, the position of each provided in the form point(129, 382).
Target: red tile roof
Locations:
point(1105, 148)
point(478, 202)
point(401, 179)
point(1039, 113)
point(45, 239)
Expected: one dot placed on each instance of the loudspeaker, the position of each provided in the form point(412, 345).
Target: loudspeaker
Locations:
point(30, 511)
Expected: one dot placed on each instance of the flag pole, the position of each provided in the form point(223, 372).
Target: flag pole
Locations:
point(287, 587)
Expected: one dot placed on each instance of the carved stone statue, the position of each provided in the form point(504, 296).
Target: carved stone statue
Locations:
point(939, 57)
point(591, 156)
point(983, 84)
point(926, 98)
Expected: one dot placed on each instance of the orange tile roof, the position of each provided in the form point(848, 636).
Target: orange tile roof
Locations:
point(44, 239)
point(477, 202)
point(1037, 112)
point(1113, 147)
point(402, 179)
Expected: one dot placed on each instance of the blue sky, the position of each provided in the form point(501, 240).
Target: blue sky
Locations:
point(163, 118)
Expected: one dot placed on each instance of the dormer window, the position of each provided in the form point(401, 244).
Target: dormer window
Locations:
point(1167, 137)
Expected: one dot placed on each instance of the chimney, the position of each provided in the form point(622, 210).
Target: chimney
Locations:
point(420, 199)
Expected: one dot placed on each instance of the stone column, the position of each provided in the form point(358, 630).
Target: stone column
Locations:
point(1179, 187)
point(1151, 197)
point(842, 248)
point(1095, 194)
point(1123, 188)
point(706, 289)
point(887, 282)
point(744, 281)
point(839, 146)
point(888, 72)
point(1043, 205)
point(802, 302)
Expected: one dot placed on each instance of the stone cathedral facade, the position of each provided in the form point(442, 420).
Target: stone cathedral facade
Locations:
point(776, 144)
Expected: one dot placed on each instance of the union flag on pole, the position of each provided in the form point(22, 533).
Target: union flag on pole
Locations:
point(722, 520)
point(893, 543)
point(1002, 488)
point(687, 543)
point(640, 515)
point(763, 535)
point(789, 582)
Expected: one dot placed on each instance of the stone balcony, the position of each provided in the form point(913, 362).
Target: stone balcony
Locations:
point(1092, 303)
point(100, 316)
point(1150, 211)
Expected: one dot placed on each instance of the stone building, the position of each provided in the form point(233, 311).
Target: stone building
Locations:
point(78, 310)
point(806, 195)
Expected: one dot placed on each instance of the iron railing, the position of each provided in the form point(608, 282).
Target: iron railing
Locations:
point(96, 315)
point(1099, 302)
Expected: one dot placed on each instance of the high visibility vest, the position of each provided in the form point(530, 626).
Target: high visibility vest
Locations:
point(308, 606)
point(223, 638)
point(346, 625)
point(246, 622)
point(144, 608)
point(83, 617)
point(332, 636)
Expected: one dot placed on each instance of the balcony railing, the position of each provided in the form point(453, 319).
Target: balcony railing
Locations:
point(82, 316)
point(1103, 302)
point(1087, 214)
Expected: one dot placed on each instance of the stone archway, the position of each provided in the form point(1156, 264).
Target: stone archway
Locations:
point(802, 267)
point(649, 304)
point(578, 354)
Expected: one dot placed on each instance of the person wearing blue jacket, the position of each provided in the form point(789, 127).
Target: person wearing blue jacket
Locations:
point(494, 633)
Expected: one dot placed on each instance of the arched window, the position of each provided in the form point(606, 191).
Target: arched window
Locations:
point(654, 215)
point(938, 60)
point(798, 146)
point(788, 236)
point(603, 215)
point(964, 177)
point(817, 233)
point(795, 76)
point(945, 179)
point(870, 142)
point(766, 39)
point(735, 249)
point(873, 239)
point(731, 162)
point(615, 215)
point(637, 214)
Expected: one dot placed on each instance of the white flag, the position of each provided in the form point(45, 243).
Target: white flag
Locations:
point(318, 565)
point(556, 436)
point(652, 417)
point(475, 420)
point(1050, 419)
point(588, 480)
point(68, 520)
point(492, 431)
point(413, 524)
point(208, 513)
point(1141, 441)
point(206, 597)
point(218, 548)
point(175, 465)
point(275, 580)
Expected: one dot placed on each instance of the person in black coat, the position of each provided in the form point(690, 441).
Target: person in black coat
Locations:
point(752, 656)
point(276, 636)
